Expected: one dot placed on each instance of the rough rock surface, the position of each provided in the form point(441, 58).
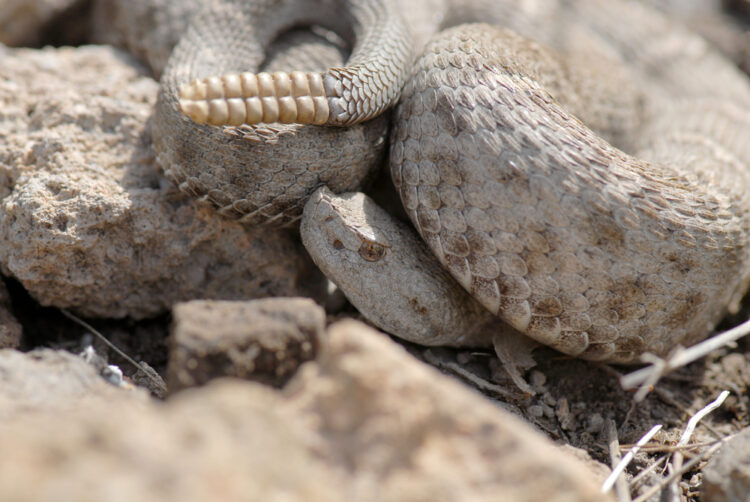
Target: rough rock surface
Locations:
point(22, 21)
point(87, 220)
point(53, 382)
point(224, 442)
point(261, 340)
point(10, 329)
point(405, 432)
point(366, 422)
point(727, 476)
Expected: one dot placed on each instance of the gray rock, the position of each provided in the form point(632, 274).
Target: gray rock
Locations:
point(365, 422)
point(261, 340)
point(727, 476)
point(87, 220)
point(52, 382)
point(405, 432)
point(227, 441)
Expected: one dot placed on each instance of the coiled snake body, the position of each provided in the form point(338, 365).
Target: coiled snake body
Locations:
point(599, 253)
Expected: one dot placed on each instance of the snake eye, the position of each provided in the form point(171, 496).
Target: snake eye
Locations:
point(372, 251)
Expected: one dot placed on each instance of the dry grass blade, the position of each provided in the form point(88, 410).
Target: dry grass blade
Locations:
point(688, 433)
point(667, 448)
point(621, 485)
point(610, 481)
point(638, 478)
point(145, 369)
point(470, 377)
point(676, 474)
point(646, 378)
point(693, 422)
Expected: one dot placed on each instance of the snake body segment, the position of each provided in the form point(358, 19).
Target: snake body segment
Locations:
point(264, 173)
point(583, 247)
point(359, 91)
point(548, 222)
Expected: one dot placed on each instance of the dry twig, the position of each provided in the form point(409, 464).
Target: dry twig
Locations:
point(646, 378)
point(677, 458)
point(676, 474)
point(628, 458)
point(666, 448)
point(147, 370)
point(621, 485)
point(636, 481)
point(693, 422)
point(477, 381)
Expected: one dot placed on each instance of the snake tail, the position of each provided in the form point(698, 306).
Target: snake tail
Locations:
point(248, 98)
point(362, 89)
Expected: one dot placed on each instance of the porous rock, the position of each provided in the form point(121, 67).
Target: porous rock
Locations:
point(727, 476)
point(262, 340)
point(221, 442)
point(87, 220)
point(53, 382)
point(366, 421)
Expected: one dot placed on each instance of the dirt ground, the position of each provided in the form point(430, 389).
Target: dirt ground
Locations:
point(574, 398)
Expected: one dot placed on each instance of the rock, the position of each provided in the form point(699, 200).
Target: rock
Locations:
point(261, 340)
point(53, 382)
point(598, 471)
point(406, 432)
point(22, 22)
point(227, 441)
point(87, 220)
point(727, 476)
point(364, 422)
point(10, 329)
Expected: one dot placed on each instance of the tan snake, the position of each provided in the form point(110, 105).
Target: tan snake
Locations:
point(596, 252)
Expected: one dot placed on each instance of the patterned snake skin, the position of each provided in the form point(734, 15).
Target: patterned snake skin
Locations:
point(597, 252)
point(264, 174)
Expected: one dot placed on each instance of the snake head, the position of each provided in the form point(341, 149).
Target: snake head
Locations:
point(385, 271)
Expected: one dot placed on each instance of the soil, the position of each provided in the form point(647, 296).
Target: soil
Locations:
point(574, 397)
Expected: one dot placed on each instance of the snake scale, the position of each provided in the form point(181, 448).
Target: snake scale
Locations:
point(508, 149)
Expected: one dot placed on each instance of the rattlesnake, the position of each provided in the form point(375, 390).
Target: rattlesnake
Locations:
point(595, 252)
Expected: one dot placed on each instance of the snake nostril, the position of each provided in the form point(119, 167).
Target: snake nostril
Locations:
point(337, 244)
